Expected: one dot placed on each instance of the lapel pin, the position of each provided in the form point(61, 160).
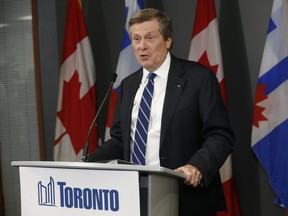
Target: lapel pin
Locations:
point(178, 86)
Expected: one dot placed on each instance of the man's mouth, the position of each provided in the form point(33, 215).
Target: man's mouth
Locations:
point(144, 57)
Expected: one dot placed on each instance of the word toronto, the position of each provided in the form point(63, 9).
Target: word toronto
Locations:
point(87, 198)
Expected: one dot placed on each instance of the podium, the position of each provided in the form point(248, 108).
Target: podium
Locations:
point(77, 188)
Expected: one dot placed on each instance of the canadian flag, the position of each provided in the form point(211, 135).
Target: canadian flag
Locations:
point(77, 89)
point(205, 49)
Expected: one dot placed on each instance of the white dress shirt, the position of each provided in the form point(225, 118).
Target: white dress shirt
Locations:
point(153, 137)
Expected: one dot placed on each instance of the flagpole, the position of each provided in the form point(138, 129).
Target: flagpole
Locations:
point(1, 195)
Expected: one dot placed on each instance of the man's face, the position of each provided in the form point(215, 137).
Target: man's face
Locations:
point(149, 46)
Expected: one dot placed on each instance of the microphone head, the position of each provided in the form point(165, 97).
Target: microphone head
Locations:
point(113, 77)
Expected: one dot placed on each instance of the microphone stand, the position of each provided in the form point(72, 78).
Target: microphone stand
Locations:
point(86, 147)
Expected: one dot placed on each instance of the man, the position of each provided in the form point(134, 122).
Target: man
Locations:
point(189, 129)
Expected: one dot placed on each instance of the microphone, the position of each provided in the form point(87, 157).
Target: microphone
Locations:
point(85, 149)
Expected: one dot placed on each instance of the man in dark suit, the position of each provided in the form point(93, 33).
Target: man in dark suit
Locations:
point(189, 130)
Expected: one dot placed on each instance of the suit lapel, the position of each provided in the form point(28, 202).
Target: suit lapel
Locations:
point(175, 86)
point(132, 89)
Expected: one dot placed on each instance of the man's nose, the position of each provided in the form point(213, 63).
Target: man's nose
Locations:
point(142, 44)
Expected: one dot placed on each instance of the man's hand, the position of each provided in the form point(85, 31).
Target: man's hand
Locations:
point(193, 175)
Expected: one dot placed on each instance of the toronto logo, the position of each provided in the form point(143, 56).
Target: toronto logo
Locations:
point(46, 193)
point(101, 199)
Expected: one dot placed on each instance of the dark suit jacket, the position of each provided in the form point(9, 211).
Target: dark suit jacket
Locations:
point(195, 130)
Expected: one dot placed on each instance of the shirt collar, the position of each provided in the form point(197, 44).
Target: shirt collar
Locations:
point(162, 71)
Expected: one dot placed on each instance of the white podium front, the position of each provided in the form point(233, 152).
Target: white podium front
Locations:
point(76, 189)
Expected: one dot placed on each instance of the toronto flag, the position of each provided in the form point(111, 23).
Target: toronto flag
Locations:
point(270, 122)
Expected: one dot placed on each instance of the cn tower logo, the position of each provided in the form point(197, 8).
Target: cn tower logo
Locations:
point(46, 193)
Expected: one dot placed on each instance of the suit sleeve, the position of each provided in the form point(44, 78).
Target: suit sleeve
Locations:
point(218, 138)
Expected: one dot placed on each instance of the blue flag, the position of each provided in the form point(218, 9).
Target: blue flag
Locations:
point(270, 123)
point(127, 62)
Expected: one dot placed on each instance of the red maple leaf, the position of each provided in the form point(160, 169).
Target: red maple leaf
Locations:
point(258, 110)
point(77, 114)
point(205, 61)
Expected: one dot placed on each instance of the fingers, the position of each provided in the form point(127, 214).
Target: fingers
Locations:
point(193, 175)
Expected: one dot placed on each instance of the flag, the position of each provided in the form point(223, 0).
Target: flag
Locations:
point(127, 62)
point(77, 89)
point(205, 49)
point(270, 123)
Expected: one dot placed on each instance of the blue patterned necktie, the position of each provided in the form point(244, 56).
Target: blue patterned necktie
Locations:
point(139, 150)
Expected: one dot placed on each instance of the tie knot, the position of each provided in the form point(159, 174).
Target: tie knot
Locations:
point(151, 76)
